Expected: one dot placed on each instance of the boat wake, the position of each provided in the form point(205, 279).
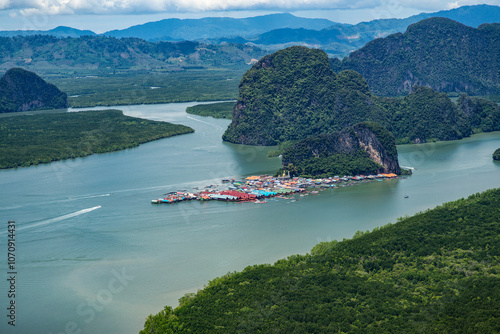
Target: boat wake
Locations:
point(90, 196)
point(197, 120)
point(58, 219)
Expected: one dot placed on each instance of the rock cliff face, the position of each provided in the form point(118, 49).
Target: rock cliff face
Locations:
point(437, 52)
point(22, 90)
point(365, 148)
point(293, 94)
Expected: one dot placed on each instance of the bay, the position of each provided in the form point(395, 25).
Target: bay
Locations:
point(93, 255)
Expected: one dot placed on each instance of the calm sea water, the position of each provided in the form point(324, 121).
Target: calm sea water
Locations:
point(93, 255)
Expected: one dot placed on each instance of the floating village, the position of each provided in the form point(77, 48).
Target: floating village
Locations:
point(257, 188)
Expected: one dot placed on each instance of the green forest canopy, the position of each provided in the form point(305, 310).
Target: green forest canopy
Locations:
point(436, 52)
point(496, 154)
point(215, 110)
point(294, 94)
point(435, 272)
point(33, 139)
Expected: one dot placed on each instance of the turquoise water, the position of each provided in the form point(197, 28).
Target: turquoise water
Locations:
point(93, 255)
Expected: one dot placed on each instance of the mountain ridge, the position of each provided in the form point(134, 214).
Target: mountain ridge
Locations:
point(60, 31)
point(293, 94)
point(341, 39)
point(104, 53)
point(337, 39)
point(436, 52)
point(214, 27)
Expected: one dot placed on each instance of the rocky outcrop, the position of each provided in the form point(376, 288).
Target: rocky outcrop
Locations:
point(365, 148)
point(293, 94)
point(437, 52)
point(22, 90)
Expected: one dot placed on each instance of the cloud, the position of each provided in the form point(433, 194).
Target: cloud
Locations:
point(27, 7)
point(55, 7)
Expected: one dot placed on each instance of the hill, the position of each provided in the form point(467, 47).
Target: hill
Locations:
point(60, 32)
point(363, 149)
point(437, 52)
point(216, 27)
point(22, 90)
point(340, 39)
point(435, 272)
point(110, 55)
point(293, 94)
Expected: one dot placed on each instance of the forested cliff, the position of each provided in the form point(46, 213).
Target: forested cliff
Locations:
point(437, 52)
point(294, 94)
point(365, 148)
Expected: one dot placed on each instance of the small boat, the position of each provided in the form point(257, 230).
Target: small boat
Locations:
point(406, 196)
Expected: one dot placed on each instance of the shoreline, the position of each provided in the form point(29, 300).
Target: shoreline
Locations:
point(259, 187)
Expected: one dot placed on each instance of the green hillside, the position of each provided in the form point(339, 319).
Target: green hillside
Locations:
point(437, 52)
point(363, 149)
point(22, 90)
point(435, 272)
point(108, 55)
point(293, 94)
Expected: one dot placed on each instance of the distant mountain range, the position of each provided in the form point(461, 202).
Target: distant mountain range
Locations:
point(276, 31)
point(103, 54)
point(341, 39)
point(436, 52)
point(217, 27)
point(60, 32)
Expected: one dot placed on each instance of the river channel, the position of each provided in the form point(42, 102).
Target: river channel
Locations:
point(93, 255)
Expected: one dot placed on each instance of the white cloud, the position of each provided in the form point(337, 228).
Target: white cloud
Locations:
point(28, 7)
point(54, 7)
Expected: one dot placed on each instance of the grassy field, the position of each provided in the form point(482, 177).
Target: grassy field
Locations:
point(195, 85)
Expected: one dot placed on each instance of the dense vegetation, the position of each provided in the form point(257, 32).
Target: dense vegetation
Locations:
point(144, 88)
point(33, 139)
point(425, 115)
point(364, 149)
point(437, 52)
point(496, 154)
point(293, 94)
point(216, 110)
point(108, 55)
point(22, 90)
point(435, 272)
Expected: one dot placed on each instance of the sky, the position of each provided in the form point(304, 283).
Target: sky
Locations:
point(104, 15)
